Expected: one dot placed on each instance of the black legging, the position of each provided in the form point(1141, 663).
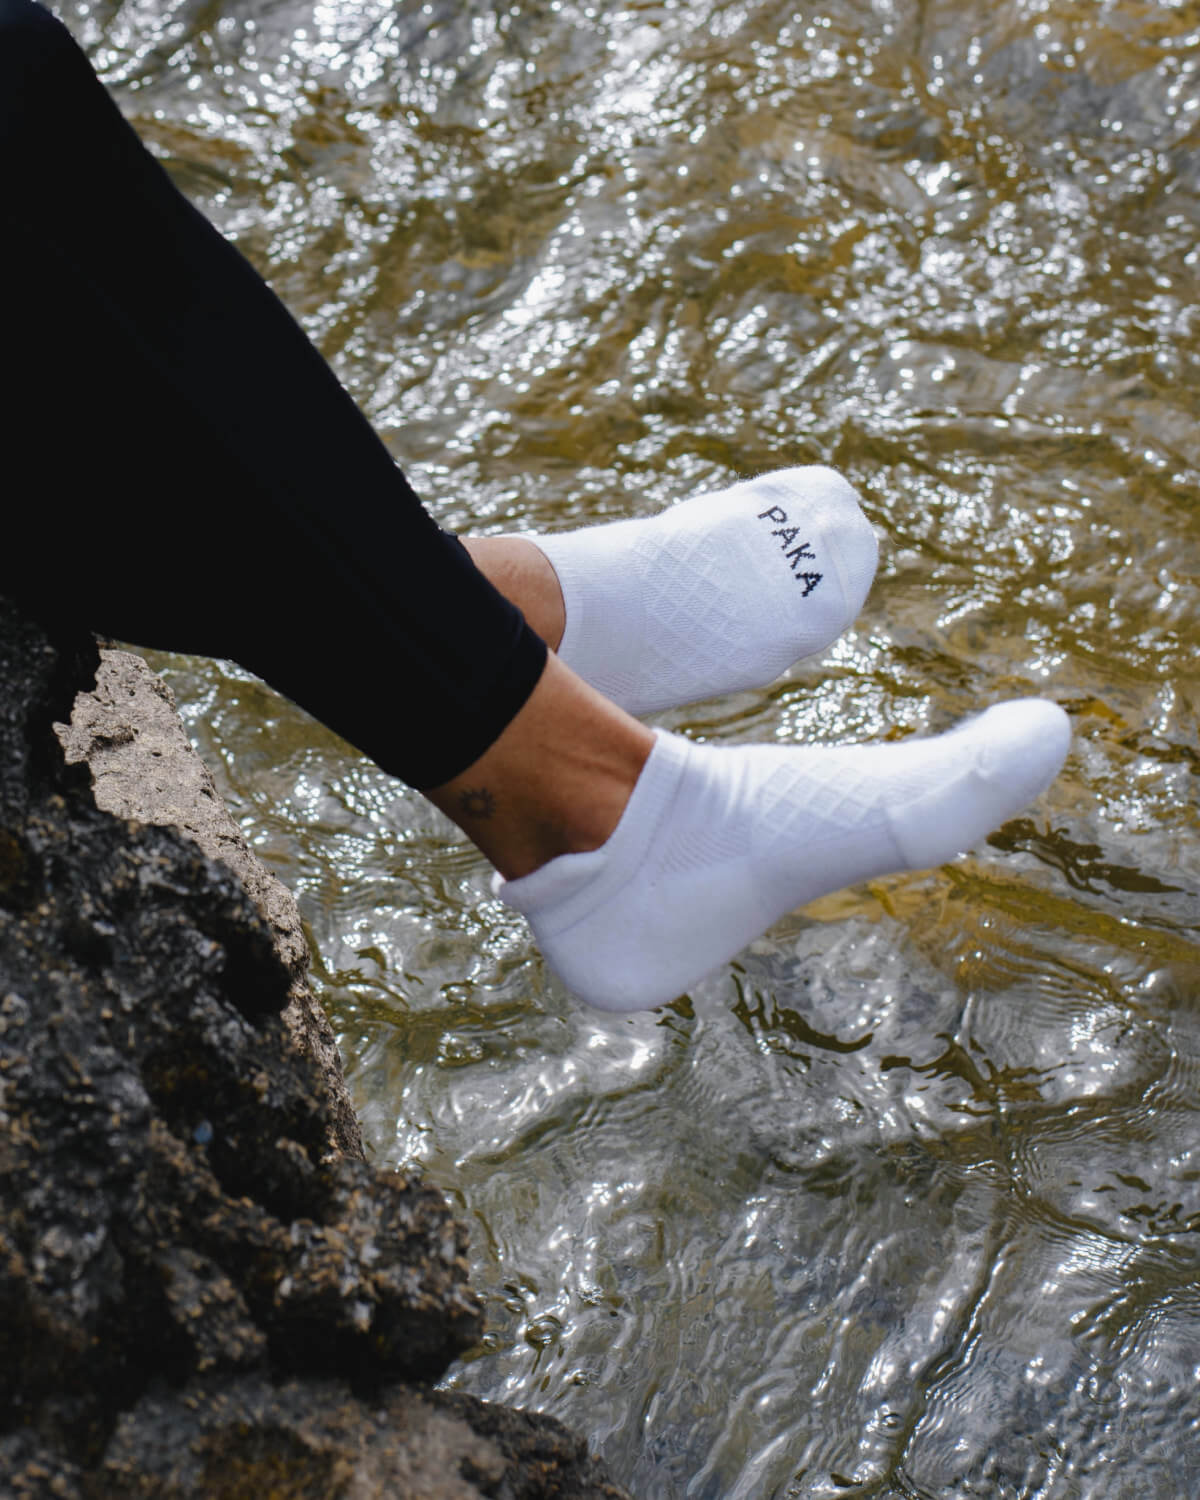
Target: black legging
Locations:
point(187, 469)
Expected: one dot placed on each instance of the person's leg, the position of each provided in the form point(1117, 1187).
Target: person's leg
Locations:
point(157, 377)
point(153, 362)
point(189, 472)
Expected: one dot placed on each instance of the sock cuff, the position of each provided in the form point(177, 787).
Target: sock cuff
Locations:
point(598, 616)
point(572, 577)
point(574, 885)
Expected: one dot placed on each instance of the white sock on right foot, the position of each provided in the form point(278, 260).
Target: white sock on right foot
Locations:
point(717, 843)
point(721, 592)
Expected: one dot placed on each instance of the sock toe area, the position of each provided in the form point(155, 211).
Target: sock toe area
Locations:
point(849, 537)
point(1027, 742)
point(996, 765)
point(825, 513)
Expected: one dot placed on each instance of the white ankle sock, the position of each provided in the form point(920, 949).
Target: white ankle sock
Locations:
point(720, 592)
point(717, 843)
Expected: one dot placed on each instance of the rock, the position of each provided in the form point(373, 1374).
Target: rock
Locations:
point(196, 1297)
point(127, 732)
point(31, 1471)
point(234, 1438)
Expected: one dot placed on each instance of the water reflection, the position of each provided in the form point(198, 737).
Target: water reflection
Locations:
point(904, 1202)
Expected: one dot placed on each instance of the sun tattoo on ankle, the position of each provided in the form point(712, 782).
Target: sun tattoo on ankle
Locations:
point(477, 802)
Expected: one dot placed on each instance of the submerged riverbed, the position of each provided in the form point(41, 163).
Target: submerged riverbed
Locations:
point(906, 1201)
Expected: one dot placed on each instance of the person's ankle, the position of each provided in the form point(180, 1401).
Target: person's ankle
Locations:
point(522, 573)
point(555, 782)
point(591, 819)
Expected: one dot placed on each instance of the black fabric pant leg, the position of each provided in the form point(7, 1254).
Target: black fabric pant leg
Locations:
point(160, 390)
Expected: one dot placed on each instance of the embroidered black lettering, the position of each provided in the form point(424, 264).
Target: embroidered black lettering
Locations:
point(802, 551)
point(788, 533)
point(810, 581)
point(774, 514)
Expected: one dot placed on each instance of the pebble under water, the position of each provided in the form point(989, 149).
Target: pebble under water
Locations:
point(905, 1202)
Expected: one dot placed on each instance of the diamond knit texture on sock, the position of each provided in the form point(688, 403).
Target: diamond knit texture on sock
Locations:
point(717, 843)
point(720, 592)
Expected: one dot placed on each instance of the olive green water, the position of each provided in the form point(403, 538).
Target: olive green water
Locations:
point(906, 1201)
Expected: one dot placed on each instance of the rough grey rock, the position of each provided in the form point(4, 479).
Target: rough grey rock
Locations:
point(126, 730)
point(196, 1299)
point(234, 1439)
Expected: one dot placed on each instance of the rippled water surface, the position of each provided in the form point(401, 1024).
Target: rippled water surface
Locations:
point(906, 1201)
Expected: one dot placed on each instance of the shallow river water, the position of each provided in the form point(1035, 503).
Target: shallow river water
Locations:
point(905, 1202)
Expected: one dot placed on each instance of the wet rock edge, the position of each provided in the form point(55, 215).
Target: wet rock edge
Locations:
point(204, 1289)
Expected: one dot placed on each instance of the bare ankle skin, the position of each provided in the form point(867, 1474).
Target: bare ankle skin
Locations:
point(555, 782)
point(523, 574)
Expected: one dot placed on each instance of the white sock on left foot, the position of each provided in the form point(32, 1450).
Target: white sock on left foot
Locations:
point(721, 592)
point(717, 843)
